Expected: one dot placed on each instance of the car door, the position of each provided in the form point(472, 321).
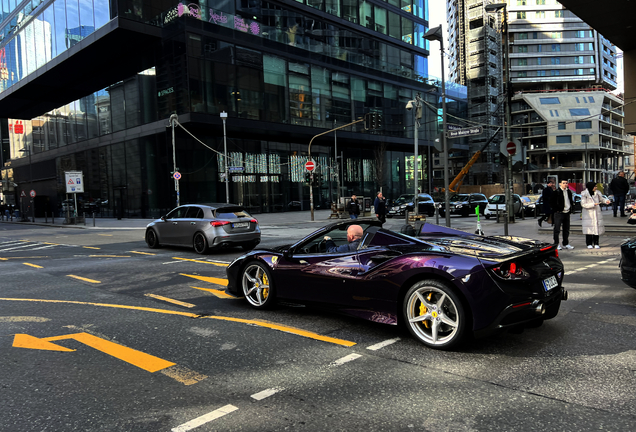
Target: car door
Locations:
point(190, 224)
point(169, 229)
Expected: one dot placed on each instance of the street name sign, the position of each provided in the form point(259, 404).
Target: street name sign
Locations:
point(458, 133)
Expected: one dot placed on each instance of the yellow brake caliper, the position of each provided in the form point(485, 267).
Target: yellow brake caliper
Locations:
point(423, 309)
point(265, 290)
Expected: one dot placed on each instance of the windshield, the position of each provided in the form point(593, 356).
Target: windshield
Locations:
point(497, 199)
point(404, 199)
point(459, 197)
point(425, 198)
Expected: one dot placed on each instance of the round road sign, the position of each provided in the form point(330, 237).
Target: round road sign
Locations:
point(32, 193)
point(310, 165)
point(176, 175)
point(512, 148)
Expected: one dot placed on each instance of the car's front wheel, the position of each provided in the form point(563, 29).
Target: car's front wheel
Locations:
point(434, 314)
point(200, 243)
point(151, 239)
point(257, 285)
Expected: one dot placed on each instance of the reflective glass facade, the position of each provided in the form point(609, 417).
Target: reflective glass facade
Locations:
point(283, 73)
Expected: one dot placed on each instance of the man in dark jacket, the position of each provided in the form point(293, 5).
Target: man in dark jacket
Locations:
point(562, 206)
point(380, 207)
point(353, 207)
point(547, 210)
point(354, 236)
point(619, 188)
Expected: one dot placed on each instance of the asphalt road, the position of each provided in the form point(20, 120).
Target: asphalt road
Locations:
point(100, 333)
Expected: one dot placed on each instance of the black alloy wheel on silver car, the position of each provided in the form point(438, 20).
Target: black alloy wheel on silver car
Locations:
point(434, 314)
point(151, 239)
point(200, 243)
point(257, 286)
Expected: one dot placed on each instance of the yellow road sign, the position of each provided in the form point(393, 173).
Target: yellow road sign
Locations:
point(140, 359)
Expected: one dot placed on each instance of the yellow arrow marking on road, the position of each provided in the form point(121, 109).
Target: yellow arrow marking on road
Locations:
point(140, 359)
point(210, 279)
point(84, 279)
point(33, 265)
point(202, 262)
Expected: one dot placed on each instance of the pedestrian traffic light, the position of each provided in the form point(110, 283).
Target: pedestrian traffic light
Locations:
point(307, 177)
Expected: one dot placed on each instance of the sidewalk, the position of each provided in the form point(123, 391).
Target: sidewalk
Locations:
point(299, 223)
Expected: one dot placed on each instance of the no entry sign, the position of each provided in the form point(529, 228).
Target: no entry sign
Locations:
point(310, 165)
point(511, 148)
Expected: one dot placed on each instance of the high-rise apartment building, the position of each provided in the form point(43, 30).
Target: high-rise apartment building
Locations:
point(550, 50)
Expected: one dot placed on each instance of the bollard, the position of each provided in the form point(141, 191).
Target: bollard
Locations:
point(93, 219)
point(46, 217)
point(497, 211)
point(84, 218)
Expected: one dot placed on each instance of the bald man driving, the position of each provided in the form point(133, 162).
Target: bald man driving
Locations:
point(354, 236)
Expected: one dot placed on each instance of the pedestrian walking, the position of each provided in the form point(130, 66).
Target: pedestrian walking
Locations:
point(592, 225)
point(619, 188)
point(547, 210)
point(562, 205)
point(353, 207)
point(380, 207)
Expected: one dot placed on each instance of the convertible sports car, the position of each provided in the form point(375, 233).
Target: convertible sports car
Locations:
point(444, 284)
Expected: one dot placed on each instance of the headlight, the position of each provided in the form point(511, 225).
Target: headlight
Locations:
point(458, 205)
point(403, 206)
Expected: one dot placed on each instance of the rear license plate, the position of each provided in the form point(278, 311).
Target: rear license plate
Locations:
point(550, 283)
point(241, 225)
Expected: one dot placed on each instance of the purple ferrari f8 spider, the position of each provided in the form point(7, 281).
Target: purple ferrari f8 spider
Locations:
point(445, 285)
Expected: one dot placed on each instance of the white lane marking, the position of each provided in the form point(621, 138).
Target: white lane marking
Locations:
point(14, 242)
point(266, 393)
point(345, 359)
point(172, 262)
point(17, 247)
point(382, 344)
point(206, 418)
point(44, 247)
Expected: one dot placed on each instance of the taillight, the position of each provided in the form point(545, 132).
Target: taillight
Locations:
point(511, 271)
point(253, 221)
point(218, 223)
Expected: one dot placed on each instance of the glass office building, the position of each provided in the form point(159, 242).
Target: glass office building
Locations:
point(90, 85)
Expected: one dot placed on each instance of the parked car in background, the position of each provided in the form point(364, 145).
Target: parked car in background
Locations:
point(497, 203)
point(404, 203)
point(530, 204)
point(205, 227)
point(465, 204)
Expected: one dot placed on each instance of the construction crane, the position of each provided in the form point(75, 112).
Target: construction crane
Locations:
point(457, 182)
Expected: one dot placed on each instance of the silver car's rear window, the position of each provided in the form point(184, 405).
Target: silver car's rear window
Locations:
point(224, 214)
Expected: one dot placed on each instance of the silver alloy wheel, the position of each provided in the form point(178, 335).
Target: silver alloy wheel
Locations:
point(200, 243)
point(433, 316)
point(256, 285)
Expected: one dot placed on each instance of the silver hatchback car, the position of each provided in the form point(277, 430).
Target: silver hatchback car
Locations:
point(205, 227)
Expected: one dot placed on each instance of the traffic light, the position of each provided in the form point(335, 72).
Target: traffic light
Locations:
point(367, 121)
point(307, 177)
point(378, 120)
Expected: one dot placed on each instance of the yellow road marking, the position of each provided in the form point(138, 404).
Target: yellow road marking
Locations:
point(6, 259)
point(137, 358)
point(177, 302)
point(23, 319)
point(109, 256)
point(210, 279)
point(141, 253)
point(202, 262)
point(216, 292)
point(84, 279)
point(33, 265)
point(279, 327)
point(105, 235)
point(50, 243)
point(90, 247)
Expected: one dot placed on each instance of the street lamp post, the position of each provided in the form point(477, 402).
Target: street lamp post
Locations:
point(227, 175)
point(417, 104)
point(173, 121)
point(493, 8)
point(438, 35)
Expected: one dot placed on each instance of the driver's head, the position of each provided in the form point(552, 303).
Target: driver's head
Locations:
point(354, 232)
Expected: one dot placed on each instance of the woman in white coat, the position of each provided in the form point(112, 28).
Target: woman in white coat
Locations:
point(592, 224)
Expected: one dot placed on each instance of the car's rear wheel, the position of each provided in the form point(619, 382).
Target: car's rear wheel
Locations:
point(257, 285)
point(151, 239)
point(200, 243)
point(434, 314)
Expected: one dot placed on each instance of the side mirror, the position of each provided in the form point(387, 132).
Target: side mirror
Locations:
point(287, 253)
point(163, 218)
